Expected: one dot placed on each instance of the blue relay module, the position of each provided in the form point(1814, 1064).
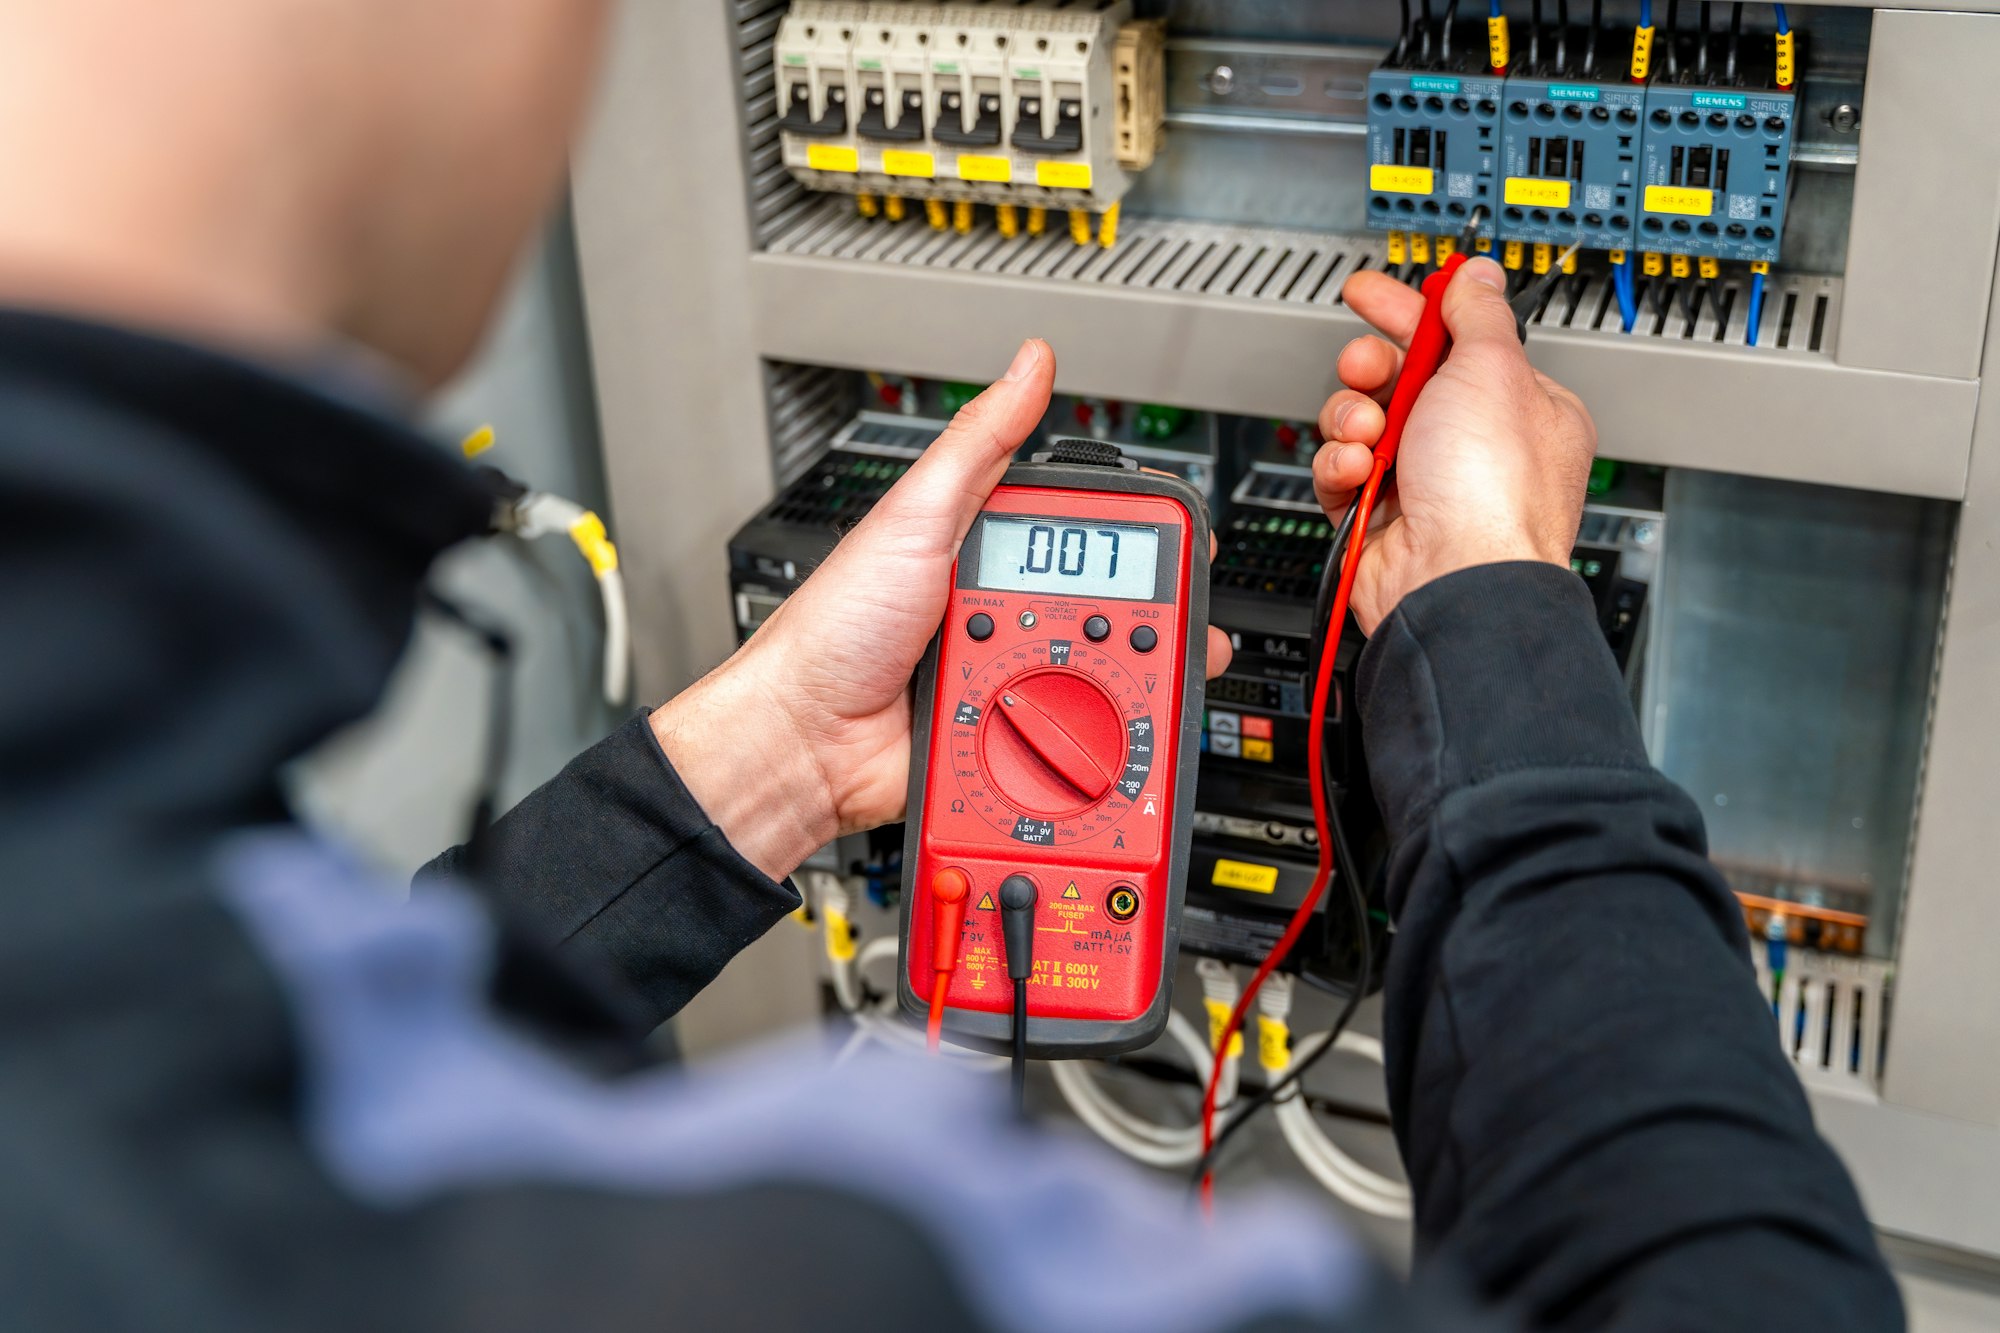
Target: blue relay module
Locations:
point(1570, 161)
point(1715, 171)
point(1433, 148)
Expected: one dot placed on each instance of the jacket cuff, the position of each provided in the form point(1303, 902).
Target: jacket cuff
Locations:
point(1490, 670)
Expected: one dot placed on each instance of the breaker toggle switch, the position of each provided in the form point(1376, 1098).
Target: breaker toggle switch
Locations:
point(798, 117)
point(874, 123)
point(1067, 136)
point(985, 131)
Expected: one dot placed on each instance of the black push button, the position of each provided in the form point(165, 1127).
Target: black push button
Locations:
point(1068, 135)
point(798, 115)
point(980, 627)
point(1145, 638)
point(1097, 629)
point(874, 121)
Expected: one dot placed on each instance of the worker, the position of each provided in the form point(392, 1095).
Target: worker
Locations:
point(243, 1087)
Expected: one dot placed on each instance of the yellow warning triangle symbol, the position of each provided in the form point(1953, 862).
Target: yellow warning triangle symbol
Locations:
point(986, 903)
point(1071, 891)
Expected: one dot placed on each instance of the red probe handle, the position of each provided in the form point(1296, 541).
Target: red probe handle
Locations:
point(1428, 346)
point(949, 890)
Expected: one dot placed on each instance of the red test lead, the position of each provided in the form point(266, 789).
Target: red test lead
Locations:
point(949, 889)
point(1428, 346)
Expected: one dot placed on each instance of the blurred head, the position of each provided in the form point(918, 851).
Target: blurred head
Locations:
point(277, 170)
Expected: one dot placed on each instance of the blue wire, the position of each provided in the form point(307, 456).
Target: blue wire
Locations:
point(1645, 13)
point(1784, 23)
point(1756, 308)
point(1628, 296)
point(1494, 12)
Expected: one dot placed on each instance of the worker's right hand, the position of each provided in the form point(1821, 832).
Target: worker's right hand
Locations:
point(1494, 458)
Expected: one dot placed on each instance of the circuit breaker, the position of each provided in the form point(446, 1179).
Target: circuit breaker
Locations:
point(1042, 105)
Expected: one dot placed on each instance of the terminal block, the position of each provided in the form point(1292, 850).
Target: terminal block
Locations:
point(1570, 160)
point(1044, 104)
point(1434, 142)
point(1715, 163)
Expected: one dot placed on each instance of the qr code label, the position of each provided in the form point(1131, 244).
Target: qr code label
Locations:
point(1597, 196)
point(1742, 207)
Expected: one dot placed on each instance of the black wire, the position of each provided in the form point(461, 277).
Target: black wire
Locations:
point(1535, 37)
point(1590, 46)
point(1735, 38)
point(1424, 33)
point(1403, 32)
point(499, 726)
point(1019, 1067)
point(1673, 31)
point(1562, 36)
point(1701, 33)
point(1444, 41)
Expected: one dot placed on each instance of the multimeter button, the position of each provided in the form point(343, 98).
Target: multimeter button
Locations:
point(1027, 620)
point(1097, 629)
point(980, 627)
point(1145, 638)
point(1122, 903)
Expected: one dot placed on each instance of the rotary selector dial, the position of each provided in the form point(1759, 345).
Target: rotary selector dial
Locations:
point(1052, 742)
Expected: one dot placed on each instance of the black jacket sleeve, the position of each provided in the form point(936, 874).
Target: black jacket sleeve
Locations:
point(1601, 1130)
point(616, 859)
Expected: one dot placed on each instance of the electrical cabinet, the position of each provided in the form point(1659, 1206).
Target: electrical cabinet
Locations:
point(1829, 467)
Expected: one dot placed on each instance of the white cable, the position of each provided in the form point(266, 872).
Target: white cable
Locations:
point(884, 1024)
point(1130, 1133)
point(1345, 1178)
point(617, 638)
point(833, 903)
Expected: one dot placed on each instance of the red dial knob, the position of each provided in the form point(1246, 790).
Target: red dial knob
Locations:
point(1053, 743)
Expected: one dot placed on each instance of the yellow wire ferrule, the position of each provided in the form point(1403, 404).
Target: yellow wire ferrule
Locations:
point(1484, 245)
point(1569, 261)
point(1681, 266)
point(1545, 255)
point(839, 935)
point(1079, 225)
point(1038, 219)
point(892, 207)
point(1274, 1044)
point(1399, 248)
point(1709, 267)
point(1107, 227)
point(1652, 264)
point(479, 442)
point(1761, 266)
point(1496, 42)
point(1008, 218)
point(597, 547)
point(1788, 59)
point(865, 205)
point(1446, 247)
point(1616, 256)
point(1511, 253)
point(1420, 247)
point(961, 216)
point(1642, 54)
point(1218, 1019)
point(935, 211)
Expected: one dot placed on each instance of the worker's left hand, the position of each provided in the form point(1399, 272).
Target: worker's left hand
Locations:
point(805, 733)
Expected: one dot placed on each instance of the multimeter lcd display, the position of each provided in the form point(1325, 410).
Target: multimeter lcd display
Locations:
point(1068, 559)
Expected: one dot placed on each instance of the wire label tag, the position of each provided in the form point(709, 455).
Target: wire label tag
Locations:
point(1530, 192)
point(1682, 199)
point(1401, 180)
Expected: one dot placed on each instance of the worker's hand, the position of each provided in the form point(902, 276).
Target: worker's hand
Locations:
point(805, 733)
point(1495, 456)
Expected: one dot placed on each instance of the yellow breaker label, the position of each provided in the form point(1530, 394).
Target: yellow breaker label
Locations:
point(900, 162)
point(1218, 1019)
point(1680, 199)
point(832, 157)
point(1063, 175)
point(1529, 192)
point(1401, 180)
point(977, 167)
point(1245, 875)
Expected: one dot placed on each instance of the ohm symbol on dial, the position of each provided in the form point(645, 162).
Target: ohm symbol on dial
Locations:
point(958, 807)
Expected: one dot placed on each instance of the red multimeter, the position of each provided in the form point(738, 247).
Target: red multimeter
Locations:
point(1057, 730)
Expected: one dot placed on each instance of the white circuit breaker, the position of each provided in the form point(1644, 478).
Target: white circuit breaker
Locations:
point(1026, 105)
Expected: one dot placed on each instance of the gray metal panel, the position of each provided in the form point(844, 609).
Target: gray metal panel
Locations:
point(1764, 412)
point(1946, 1024)
point(1927, 197)
point(1927, 1176)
